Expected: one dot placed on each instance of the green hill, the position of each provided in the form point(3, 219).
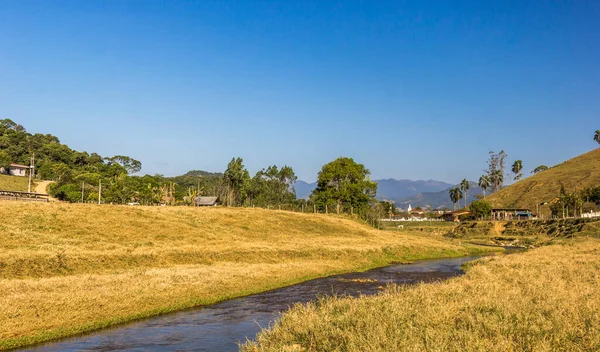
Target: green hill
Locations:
point(13, 183)
point(575, 174)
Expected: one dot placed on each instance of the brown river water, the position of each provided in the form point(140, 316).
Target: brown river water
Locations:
point(222, 326)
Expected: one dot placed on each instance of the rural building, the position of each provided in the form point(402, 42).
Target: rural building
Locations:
point(16, 170)
point(417, 211)
point(454, 215)
point(206, 201)
point(511, 214)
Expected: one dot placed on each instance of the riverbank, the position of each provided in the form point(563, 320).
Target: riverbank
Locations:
point(68, 269)
point(545, 299)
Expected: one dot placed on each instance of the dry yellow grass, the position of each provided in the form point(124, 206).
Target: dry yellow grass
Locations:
point(67, 268)
point(547, 299)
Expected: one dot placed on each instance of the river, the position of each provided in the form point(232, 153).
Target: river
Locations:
point(221, 326)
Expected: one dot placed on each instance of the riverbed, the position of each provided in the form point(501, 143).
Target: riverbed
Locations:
point(222, 326)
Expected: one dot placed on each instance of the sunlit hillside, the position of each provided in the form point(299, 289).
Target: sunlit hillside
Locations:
point(575, 174)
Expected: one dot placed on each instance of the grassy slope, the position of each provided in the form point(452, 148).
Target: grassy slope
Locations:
point(13, 183)
point(68, 268)
point(577, 173)
point(547, 299)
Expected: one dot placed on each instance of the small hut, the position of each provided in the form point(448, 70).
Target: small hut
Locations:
point(453, 216)
point(511, 214)
point(206, 201)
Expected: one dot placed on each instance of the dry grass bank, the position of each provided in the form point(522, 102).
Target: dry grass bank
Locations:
point(67, 268)
point(547, 299)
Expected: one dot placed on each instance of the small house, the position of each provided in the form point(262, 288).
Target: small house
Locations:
point(16, 170)
point(454, 215)
point(511, 214)
point(206, 201)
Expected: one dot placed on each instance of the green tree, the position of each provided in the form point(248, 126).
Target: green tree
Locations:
point(344, 182)
point(273, 186)
point(597, 136)
point(236, 181)
point(389, 207)
point(539, 169)
point(464, 187)
point(517, 166)
point(484, 183)
point(480, 208)
point(131, 165)
point(455, 195)
point(4, 161)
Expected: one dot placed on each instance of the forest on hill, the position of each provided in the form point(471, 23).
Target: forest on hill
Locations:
point(90, 177)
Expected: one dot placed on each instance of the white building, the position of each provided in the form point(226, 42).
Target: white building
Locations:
point(16, 170)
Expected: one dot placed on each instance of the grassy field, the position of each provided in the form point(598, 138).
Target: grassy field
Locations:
point(68, 268)
point(546, 299)
point(13, 183)
point(575, 174)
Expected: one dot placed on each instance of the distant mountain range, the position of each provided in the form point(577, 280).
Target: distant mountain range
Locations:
point(404, 192)
point(438, 199)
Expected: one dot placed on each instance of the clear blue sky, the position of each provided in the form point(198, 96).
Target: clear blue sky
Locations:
point(412, 89)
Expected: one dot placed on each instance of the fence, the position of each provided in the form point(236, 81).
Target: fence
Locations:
point(23, 196)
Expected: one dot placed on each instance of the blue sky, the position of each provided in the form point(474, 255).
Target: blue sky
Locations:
point(415, 89)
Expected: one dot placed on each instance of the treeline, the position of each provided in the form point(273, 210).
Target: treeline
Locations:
point(575, 203)
point(343, 185)
point(84, 177)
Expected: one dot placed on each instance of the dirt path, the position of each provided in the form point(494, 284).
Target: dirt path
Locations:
point(42, 188)
point(498, 228)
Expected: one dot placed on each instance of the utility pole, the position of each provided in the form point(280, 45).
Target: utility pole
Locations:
point(99, 190)
point(31, 171)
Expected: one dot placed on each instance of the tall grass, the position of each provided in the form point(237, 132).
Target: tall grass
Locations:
point(547, 299)
point(69, 268)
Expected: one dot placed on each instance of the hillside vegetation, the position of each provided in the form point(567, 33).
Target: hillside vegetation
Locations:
point(68, 268)
point(546, 299)
point(575, 174)
point(13, 183)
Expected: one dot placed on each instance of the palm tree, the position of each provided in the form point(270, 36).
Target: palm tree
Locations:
point(464, 186)
point(455, 195)
point(516, 169)
point(497, 180)
point(597, 136)
point(484, 183)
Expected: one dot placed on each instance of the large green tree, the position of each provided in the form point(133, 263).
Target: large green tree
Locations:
point(4, 161)
point(480, 208)
point(344, 183)
point(236, 181)
point(273, 186)
point(597, 137)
